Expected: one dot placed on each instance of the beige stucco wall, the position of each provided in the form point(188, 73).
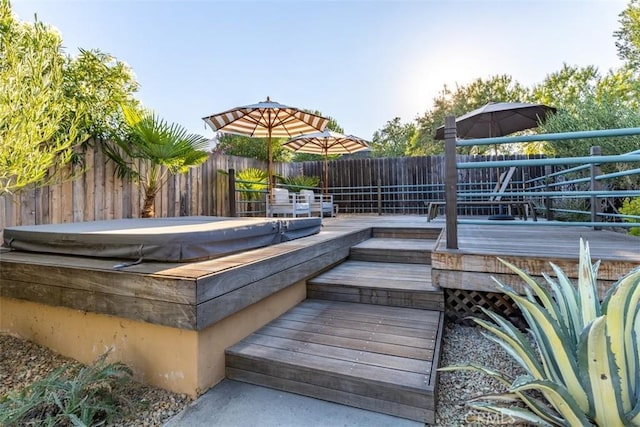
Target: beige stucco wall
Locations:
point(217, 337)
point(179, 360)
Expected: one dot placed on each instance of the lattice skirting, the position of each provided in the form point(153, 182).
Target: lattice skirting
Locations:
point(461, 304)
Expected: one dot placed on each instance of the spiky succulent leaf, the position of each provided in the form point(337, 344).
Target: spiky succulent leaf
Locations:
point(514, 413)
point(587, 290)
point(602, 375)
point(557, 353)
point(572, 299)
point(561, 399)
point(540, 292)
point(536, 406)
point(620, 307)
point(566, 305)
point(519, 351)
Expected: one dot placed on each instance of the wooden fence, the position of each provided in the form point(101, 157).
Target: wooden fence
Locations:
point(406, 184)
point(98, 194)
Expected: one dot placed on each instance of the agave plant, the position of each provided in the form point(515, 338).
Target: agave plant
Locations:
point(582, 355)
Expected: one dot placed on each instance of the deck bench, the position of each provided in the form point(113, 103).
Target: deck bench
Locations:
point(522, 207)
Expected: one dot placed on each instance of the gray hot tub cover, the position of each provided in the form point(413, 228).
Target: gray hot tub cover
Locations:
point(175, 239)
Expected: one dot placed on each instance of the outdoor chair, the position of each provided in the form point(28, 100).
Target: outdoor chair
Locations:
point(321, 204)
point(287, 204)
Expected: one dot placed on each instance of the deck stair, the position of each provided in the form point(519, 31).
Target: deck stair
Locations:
point(368, 336)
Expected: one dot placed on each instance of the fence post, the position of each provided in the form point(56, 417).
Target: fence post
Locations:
point(451, 182)
point(595, 186)
point(379, 197)
point(232, 193)
point(548, 201)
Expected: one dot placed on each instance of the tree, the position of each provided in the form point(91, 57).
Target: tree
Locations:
point(51, 102)
point(393, 139)
point(588, 101)
point(628, 35)
point(256, 148)
point(102, 84)
point(38, 123)
point(153, 150)
point(465, 98)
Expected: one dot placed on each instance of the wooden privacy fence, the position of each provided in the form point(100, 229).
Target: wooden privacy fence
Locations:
point(98, 194)
point(405, 185)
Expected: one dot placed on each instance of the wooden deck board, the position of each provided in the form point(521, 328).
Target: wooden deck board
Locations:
point(382, 283)
point(362, 334)
point(347, 361)
point(416, 277)
point(396, 244)
point(332, 395)
point(409, 318)
point(401, 250)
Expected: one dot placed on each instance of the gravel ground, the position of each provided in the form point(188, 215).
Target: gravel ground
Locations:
point(465, 344)
point(22, 362)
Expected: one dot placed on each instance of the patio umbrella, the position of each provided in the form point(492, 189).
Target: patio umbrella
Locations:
point(325, 143)
point(499, 119)
point(266, 119)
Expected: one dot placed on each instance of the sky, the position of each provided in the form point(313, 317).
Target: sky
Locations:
point(362, 62)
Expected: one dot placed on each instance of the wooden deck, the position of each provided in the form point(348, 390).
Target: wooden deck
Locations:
point(350, 347)
point(369, 356)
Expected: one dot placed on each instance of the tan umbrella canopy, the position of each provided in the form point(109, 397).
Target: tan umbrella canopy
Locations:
point(325, 143)
point(266, 119)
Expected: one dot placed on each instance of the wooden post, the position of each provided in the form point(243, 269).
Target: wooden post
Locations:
point(379, 196)
point(451, 182)
point(548, 201)
point(232, 193)
point(595, 186)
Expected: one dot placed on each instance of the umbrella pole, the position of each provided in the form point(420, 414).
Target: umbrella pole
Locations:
point(270, 168)
point(326, 174)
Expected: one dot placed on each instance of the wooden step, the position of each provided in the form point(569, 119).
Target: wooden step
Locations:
point(378, 358)
point(384, 249)
point(384, 283)
point(407, 233)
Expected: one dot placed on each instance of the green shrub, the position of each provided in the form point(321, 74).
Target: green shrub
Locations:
point(251, 183)
point(584, 360)
point(68, 396)
point(631, 207)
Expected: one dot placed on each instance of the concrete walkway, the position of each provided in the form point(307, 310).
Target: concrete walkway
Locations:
point(236, 404)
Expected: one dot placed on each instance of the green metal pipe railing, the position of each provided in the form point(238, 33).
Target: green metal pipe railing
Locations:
point(591, 163)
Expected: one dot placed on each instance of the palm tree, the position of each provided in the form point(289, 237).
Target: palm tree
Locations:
point(154, 149)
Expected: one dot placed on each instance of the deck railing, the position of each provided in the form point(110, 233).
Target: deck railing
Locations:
point(542, 189)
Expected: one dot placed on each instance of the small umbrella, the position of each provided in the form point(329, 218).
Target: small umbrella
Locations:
point(499, 119)
point(266, 119)
point(325, 143)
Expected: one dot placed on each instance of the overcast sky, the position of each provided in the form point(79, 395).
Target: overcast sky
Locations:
point(360, 62)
